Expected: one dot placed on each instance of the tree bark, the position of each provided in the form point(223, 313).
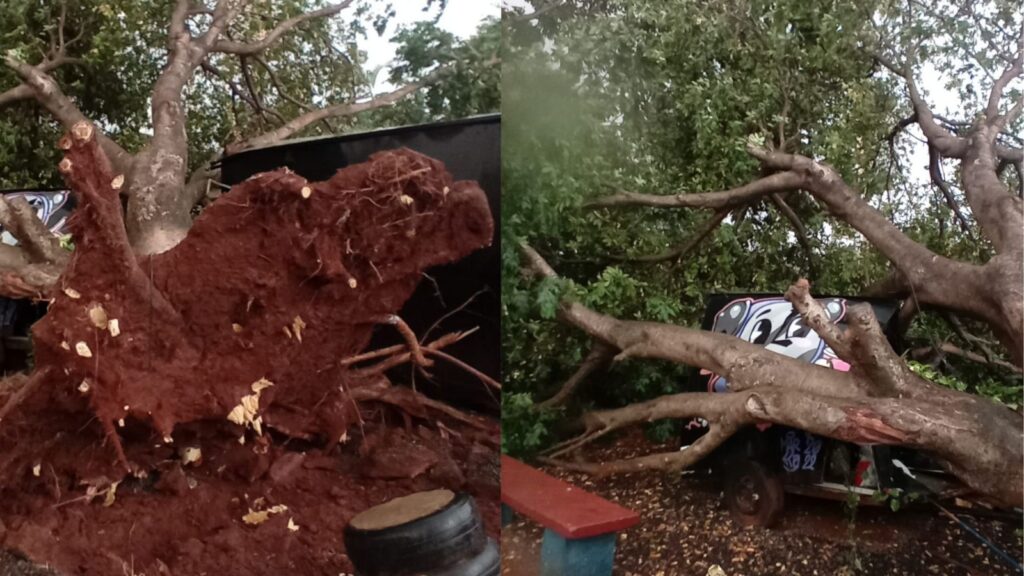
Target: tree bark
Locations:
point(879, 401)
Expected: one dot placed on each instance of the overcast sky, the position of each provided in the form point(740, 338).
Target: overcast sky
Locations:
point(461, 17)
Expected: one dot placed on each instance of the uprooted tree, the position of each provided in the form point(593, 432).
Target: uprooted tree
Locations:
point(881, 400)
point(247, 318)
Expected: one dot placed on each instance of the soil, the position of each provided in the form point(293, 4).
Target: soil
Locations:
point(121, 458)
point(685, 529)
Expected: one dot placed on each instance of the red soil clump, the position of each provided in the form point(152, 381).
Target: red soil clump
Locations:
point(175, 394)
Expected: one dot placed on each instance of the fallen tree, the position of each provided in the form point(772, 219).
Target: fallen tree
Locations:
point(211, 363)
point(251, 327)
point(880, 400)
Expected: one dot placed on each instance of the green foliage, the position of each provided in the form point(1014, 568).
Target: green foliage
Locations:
point(895, 498)
point(662, 97)
point(524, 429)
point(471, 86)
point(121, 49)
point(662, 431)
point(851, 555)
point(1000, 387)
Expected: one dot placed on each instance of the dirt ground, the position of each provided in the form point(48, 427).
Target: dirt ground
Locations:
point(685, 529)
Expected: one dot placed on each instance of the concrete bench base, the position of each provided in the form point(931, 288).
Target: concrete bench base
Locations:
point(579, 527)
point(592, 556)
point(561, 556)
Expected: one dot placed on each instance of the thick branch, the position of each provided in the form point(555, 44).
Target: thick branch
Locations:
point(948, 143)
point(743, 364)
point(48, 94)
point(863, 345)
point(1013, 71)
point(21, 280)
point(780, 182)
point(346, 109)
point(19, 218)
point(600, 356)
point(244, 49)
point(16, 94)
point(999, 212)
point(918, 263)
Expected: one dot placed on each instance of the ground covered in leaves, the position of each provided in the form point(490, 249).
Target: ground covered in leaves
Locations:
point(685, 529)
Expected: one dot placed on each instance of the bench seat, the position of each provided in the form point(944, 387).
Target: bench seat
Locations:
point(580, 527)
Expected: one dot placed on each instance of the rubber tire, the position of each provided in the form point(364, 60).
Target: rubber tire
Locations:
point(438, 540)
point(746, 478)
point(486, 563)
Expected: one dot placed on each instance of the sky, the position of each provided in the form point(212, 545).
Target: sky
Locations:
point(461, 17)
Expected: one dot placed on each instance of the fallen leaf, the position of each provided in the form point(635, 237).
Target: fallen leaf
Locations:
point(111, 491)
point(257, 517)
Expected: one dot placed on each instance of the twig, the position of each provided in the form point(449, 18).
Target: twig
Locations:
point(452, 313)
point(680, 251)
point(483, 377)
point(388, 396)
point(948, 348)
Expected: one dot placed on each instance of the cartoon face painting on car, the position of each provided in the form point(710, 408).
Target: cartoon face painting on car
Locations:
point(773, 323)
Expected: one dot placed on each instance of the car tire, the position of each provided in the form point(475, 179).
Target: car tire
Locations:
point(415, 534)
point(753, 493)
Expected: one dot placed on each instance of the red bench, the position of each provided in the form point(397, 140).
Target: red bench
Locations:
point(579, 527)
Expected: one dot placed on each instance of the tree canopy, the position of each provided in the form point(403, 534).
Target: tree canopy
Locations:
point(107, 55)
point(605, 98)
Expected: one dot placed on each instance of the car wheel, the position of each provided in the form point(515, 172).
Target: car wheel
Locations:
point(753, 494)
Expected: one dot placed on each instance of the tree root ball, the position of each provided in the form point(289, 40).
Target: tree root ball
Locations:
point(248, 317)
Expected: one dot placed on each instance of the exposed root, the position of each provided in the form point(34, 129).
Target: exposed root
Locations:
point(410, 339)
point(24, 387)
point(399, 354)
point(411, 402)
point(483, 377)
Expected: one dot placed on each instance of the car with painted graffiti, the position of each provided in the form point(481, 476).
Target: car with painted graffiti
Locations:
point(761, 464)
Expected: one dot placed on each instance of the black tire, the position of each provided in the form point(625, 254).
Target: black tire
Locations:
point(753, 493)
point(438, 539)
point(486, 563)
